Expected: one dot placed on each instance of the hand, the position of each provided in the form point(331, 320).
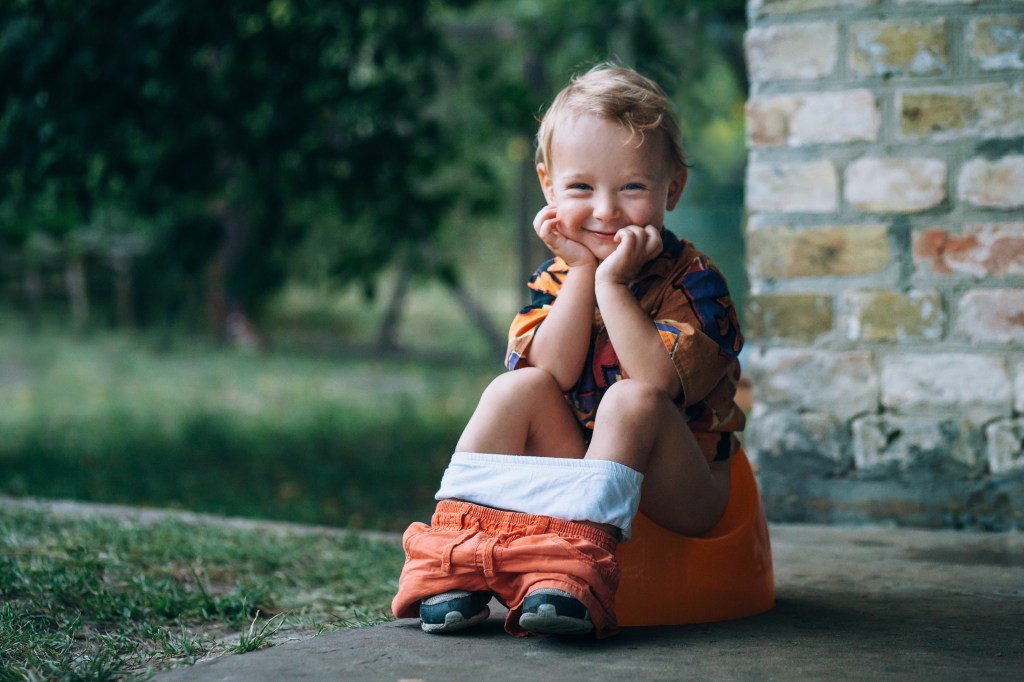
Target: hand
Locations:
point(636, 246)
point(547, 226)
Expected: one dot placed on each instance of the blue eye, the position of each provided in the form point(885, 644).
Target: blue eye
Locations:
point(580, 186)
point(634, 186)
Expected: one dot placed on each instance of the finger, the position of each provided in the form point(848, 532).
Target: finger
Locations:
point(546, 213)
point(654, 243)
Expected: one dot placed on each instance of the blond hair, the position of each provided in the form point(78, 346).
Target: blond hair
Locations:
point(619, 94)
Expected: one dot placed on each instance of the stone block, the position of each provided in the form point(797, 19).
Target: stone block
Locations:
point(981, 250)
point(1004, 441)
point(988, 111)
point(817, 441)
point(895, 185)
point(997, 42)
point(886, 315)
point(882, 441)
point(762, 8)
point(830, 250)
point(843, 384)
point(801, 51)
point(962, 383)
point(1018, 388)
point(813, 118)
point(793, 317)
point(898, 48)
point(792, 187)
point(992, 315)
point(993, 184)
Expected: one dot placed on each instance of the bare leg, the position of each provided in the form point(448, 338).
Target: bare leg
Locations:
point(523, 413)
point(637, 425)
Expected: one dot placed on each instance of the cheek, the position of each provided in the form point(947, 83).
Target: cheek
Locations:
point(571, 214)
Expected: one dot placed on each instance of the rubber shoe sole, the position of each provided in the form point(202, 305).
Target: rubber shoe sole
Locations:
point(454, 611)
point(554, 612)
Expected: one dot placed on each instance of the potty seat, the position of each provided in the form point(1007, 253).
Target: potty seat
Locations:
point(672, 579)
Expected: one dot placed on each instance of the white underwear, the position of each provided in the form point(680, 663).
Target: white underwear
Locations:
point(573, 489)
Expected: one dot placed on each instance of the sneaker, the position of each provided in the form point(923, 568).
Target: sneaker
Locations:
point(454, 611)
point(553, 612)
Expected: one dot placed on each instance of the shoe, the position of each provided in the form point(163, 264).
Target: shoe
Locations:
point(454, 611)
point(553, 612)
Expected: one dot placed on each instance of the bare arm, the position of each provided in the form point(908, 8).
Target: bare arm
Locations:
point(636, 340)
point(560, 344)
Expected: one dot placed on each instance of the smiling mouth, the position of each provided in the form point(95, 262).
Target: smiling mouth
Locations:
point(606, 236)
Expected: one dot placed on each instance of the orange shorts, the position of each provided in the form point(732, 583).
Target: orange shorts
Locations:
point(470, 547)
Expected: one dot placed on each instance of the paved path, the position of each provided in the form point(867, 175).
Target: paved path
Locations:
point(852, 604)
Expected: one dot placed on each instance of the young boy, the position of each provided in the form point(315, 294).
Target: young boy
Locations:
point(620, 392)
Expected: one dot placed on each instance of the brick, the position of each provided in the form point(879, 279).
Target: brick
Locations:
point(992, 315)
point(794, 317)
point(807, 436)
point(968, 383)
point(813, 118)
point(832, 250)
point(791, 187)
point(988, 111)
point(997, 42)
point(937, 2)
point(1004, 441)
point(843, 384)
point(895, 185)
point(805, 50)
point(980, 250)
point(886, 315)
point(761, 8)
point(993, 184)
point(880, 441)
point(898, 48)
point(1018, 388)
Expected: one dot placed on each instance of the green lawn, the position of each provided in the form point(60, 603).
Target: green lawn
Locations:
point(343, 439)
point(107, 598)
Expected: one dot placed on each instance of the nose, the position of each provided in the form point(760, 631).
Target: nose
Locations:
point(606, 207)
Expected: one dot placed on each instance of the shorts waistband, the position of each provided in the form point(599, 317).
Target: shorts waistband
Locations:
point(457, 514)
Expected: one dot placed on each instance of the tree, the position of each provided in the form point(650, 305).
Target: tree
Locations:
point(229, 127)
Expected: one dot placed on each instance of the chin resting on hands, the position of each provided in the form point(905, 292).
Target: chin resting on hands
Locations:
point(546, 225)
point(636, 246)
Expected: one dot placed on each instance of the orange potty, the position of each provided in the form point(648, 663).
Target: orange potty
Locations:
point(672, 579)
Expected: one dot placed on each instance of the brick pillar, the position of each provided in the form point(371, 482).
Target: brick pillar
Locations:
point(885, 250)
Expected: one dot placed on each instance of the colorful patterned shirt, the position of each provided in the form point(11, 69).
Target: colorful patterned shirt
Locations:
point(689, 303)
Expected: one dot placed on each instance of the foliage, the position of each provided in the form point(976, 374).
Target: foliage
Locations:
point(102, 598)
point(516, 55)
point(243, 143)
point(213, 120)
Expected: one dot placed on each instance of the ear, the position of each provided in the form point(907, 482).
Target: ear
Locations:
point(675, 187)
point(545, 182)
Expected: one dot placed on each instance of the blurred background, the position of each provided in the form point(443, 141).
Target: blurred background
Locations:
point(258, 257)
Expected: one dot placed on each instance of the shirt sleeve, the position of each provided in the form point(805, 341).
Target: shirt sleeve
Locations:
point(700, 328)
point(544, 286)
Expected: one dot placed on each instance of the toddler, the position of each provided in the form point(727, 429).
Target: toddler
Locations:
point(620, 394)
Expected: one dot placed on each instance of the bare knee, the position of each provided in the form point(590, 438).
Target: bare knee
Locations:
point(632, 399)
point(512, 386)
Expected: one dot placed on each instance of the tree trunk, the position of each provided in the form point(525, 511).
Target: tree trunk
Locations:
point(387, 332)
point(227, 318)
point(123, 289)
point(33, 284)
point(496, 339)
point(78, 297)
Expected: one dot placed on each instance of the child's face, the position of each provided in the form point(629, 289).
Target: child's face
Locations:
point(602, 182)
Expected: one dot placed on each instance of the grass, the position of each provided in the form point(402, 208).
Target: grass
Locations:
point(347, 441)
point(106, 598)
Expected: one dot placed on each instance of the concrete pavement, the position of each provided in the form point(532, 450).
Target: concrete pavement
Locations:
point(851, 604)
